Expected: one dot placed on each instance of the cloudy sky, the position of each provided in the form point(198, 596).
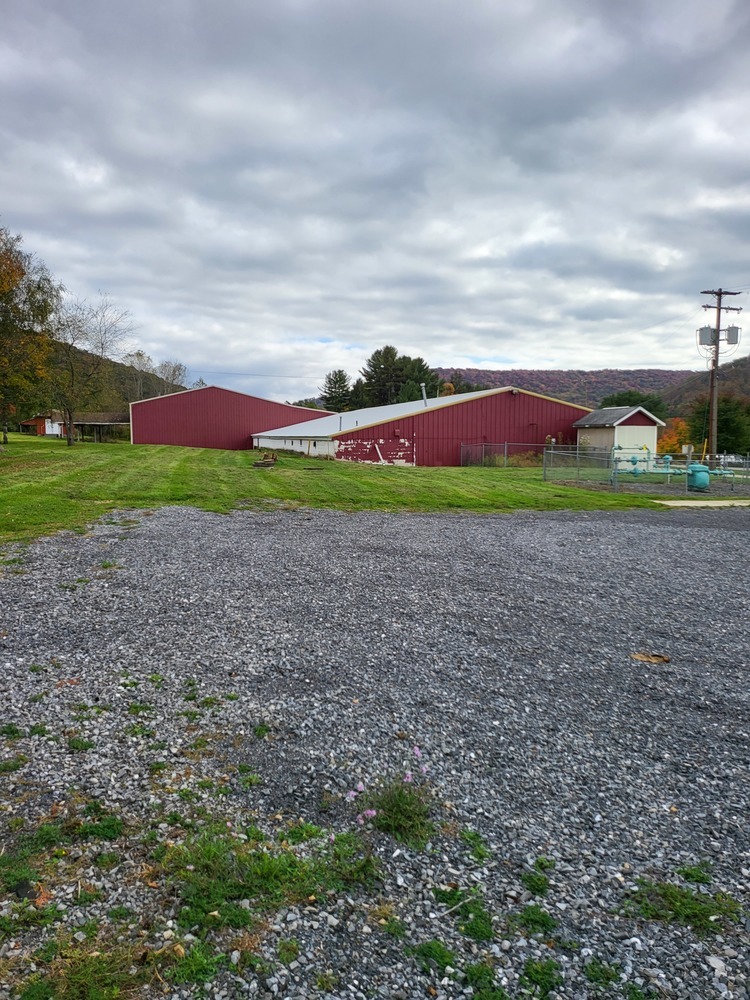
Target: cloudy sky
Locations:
point(275, 188)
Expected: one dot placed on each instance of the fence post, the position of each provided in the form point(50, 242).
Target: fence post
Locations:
point(505, 455)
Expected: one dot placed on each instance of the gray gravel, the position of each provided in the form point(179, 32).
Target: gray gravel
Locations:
point(500, 646)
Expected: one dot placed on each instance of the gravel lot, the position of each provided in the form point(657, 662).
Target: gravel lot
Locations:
point(319, 649)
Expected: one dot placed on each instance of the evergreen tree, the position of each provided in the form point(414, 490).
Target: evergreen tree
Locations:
point(386, 372)
point(409, 392)
point(358, 399)
point(336, 391)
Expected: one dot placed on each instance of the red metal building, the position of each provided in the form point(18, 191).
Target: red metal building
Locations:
point(432, 433)
point(210, 418)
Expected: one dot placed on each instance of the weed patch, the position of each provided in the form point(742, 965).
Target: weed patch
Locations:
point(670, 903)
point(433, 956)
point(401, 808)
point(534, 920)
point(540, 977)
point(468, 910)
point(476, 844)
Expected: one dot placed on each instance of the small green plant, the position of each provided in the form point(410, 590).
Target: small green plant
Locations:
point(14, 764)
point(433, 956)
point(250, 780)
point(670, 903)
point(481, 977)
point(38, 730)
point(288, 950)
point(467, 908)
point(156, 766)
point(11, 730)
point(231, 697)
point(36, 698)
point(535, 882)
point(109, 564)
point(78, 974)
point(205, 784)
point(543, 864)
point(199, 965)
point(540, 977)
point(102, 827)
point(187, 795)
point(535, 920)
point(78, 744)
point(326, 981)
point(86, 896)
point(138, 729)
point(139, 708)
point(299, 832)
point(476, 844)
point(119, 914)
point(600, 973)
point(402, 809)
point(633, 992)
point(210, 702)
point(395, 927)
point(191, 714)
point(261, 730)
point(700, 873)
point(107, 859)
point(36, 668)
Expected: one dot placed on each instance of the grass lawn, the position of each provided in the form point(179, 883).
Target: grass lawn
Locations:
point(45, 485)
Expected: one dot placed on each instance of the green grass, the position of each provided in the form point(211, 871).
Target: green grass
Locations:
point(46, 486)
point(476, 844)
point(700, 873)
point(469, 912)
point(539, 978)
point(535, 920)
point(433, 956)
point(535, 882)
point(674, 904)
point(212, 871)
point(402, 809)
point(600, 973)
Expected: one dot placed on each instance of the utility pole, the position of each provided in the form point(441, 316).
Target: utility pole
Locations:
point(713, 384)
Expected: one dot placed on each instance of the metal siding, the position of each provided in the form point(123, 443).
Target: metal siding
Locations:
point(637, 420)
point(209, 418)
point(437, 435)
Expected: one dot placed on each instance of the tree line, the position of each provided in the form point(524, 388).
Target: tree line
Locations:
point(58, 351)
point(386, 377)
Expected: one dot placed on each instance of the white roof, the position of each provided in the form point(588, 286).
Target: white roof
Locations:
point(339, 423)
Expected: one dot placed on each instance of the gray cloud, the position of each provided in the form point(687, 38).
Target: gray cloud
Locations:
point(281, 188)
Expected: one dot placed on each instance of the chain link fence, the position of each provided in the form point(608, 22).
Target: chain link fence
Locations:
point(506, 455)
point(643, 471)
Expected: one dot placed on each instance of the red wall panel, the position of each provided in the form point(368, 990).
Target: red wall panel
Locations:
point(211, 418)
point(435, 436)
point(638, 420)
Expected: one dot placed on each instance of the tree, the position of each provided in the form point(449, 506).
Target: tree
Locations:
point(199, 384)
point(336, 391)
point(309, 404)
point(172, 375)
point(733, 424)
point(676, 434)
point(142, 365)
point(386, 372)
point(358, 399)
point(87, 336)
point(28, 297)
point(631, 397)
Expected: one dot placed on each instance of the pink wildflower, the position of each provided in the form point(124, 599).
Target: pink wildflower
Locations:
point(423, 768)
point(408, 776)
point(351, 796)
point(417, 752)
point(360, 787)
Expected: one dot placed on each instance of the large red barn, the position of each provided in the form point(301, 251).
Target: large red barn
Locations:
point(432, 431)
point(210, 418)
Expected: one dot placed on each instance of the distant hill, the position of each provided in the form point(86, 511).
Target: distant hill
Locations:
point(734, 378)
point(584, 387)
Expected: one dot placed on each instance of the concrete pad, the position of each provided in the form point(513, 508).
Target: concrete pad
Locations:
point(704, 503)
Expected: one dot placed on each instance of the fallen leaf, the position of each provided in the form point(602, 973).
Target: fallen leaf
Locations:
point(650, 657)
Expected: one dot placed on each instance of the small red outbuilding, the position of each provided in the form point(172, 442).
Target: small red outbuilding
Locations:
point(210, 417)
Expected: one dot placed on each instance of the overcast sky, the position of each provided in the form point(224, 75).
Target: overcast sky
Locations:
point(278, 187)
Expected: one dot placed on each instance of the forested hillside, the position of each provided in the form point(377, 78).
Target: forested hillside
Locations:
point(576, 386)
